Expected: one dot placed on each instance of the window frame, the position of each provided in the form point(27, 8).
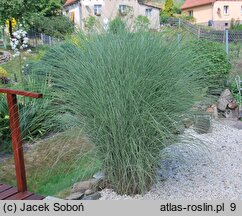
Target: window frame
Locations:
point(226, 10)
point(97, 9)
point(148, 12)
point(190, 13)
point(122, 8)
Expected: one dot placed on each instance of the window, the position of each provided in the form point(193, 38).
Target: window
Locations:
point(190, 13)
point(148, 12)
point(226, 24)
point(72, 16)
point(97, 10)
point(122, 9)
point(226, 10)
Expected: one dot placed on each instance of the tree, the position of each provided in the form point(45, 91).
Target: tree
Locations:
point(169, 8)
point(14, 9)
point(26, 10)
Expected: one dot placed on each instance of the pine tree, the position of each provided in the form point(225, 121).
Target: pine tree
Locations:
point(169, 7)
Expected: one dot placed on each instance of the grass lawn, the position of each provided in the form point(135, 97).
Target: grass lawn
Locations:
point(55, 164)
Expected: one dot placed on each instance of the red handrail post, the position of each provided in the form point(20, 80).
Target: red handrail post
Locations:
point(17, 142)
point(16, 134)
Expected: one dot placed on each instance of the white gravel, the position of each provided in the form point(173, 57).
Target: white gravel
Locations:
point(216, 174)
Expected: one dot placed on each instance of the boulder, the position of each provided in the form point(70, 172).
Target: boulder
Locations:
point(226, 94)
point(203, 124)
point(75, 196)
point(228, 113)
point(94, 196)
point(85, 185)
point(225, 98)
point(222, 104)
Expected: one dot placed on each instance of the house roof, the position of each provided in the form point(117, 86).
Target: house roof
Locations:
point(153, 4)
point(195, 3)
point(69, 2)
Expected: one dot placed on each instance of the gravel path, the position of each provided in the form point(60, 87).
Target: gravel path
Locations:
point(215, 174)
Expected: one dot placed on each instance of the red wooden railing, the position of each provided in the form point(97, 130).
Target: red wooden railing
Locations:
point(16, 133)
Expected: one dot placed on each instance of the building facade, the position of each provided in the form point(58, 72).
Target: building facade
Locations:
point(215, 13)
point(106, 10)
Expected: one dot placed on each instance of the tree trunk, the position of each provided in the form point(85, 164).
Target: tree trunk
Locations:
point(10, 28)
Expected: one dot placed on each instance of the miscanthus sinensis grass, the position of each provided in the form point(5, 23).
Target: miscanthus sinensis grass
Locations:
point(129, 91)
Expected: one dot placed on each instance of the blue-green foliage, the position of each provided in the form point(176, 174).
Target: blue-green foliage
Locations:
point(129, 92)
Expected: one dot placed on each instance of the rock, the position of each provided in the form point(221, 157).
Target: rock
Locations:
point(228, 113)
point(226, 94)
point(213, 111)
point(225, 98)
point(232, 105)
point(187, 122)
point(94, 196)
point(222, 104)
point(99, 175)
point(85, 185)
point(75, 196)
point(203, 124)
point(89, 192)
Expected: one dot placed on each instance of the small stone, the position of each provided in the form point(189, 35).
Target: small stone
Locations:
point(75, 196)
point(94, 196)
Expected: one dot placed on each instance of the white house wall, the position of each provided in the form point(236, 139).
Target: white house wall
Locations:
point(76, 9)
point(110, 11)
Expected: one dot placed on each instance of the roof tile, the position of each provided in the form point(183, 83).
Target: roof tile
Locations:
point(195, 3)
point(70, 2)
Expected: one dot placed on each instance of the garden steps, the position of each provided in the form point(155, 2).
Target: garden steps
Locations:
point(11, 193)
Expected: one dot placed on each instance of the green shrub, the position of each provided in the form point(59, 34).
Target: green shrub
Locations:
point(116, 25)
point(235, 25)
point(217, 66)
point(142, 23)
point(129, 92)
point(56, 26)
point(164, 18)
point(89, 23)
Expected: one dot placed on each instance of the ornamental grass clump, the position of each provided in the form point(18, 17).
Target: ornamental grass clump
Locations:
point(129, 91)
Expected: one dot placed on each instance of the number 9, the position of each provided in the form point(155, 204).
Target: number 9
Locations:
point(232, 206)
